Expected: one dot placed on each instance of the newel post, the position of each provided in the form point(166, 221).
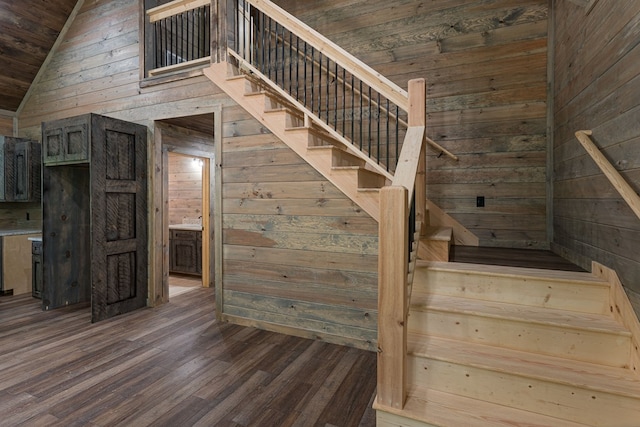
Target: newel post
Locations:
point(417, 90)
point(218, 32)
point(393, 258)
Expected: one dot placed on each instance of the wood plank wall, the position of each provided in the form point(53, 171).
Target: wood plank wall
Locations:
point(6, 125)
point(597, 86)
point(299, 256)
point(485, 66)
point(97, 69)
point(20, 215)
point(185, 188)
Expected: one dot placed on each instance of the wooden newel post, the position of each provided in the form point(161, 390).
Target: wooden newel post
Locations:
point(418, 117)
point(393, 258)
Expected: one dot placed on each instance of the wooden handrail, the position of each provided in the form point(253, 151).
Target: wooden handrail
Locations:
point(174, 8)
point(618, 181)
point(353, 65)
point(407, 166)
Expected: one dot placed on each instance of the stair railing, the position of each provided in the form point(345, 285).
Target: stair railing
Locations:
point(402, 204)
point(617, 180)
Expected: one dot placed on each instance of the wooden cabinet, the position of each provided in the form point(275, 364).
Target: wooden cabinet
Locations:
point(66, 141)
point(36, 269)
point(185, 252)
point(94, 215)
point(20, 170)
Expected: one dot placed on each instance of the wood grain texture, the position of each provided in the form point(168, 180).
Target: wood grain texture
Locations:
point(597, 88)
point(185, 188)
point(173, 365)
point(299, 256)
point(485, 67)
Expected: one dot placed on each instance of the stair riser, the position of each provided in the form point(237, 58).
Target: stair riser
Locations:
point(587, 345)
point(434, 250)
point(567, 402)
point(572, 296)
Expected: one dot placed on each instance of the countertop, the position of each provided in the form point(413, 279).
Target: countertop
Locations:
point(19, 231)
point(190, 227)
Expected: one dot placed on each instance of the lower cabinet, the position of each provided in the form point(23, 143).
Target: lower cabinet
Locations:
point(185, 252)
point(36, 271)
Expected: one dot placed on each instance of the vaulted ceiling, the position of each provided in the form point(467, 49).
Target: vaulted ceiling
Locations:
point(28, 31)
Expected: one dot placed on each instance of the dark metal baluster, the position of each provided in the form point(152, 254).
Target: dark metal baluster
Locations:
point(387, 141)
point(353, 99)
point(328, 84)
point(304, 74)
point(269, 47)
point(397, 135)
point(290, 62)
point(335, 99)
point(344, 100)
point(313, 80)
point(370, 125)
point(378, 130)
point(262, 44)
point(361, 110)
point(284, 81)
point(319, 84)
point(297, 68)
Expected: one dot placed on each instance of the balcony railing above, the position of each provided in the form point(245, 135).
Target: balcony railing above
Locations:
point(181, 36)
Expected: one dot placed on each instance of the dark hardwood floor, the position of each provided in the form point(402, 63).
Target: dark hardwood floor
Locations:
point(173, 365)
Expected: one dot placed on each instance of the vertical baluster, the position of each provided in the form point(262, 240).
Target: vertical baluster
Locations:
point(387, 136)
point(320, 84)
point(297, 68)
point(370, 125)
point(328, 84)
point(304, 74)
point(158, 41)
point(353, 99)
point(313, 81)
point(361, 108)
point(284, 81)
point(262, 43)
point(397, 135)
point(335, 96)
point(378, 129)
point(290, 62)
point(344, 100)
point(267, 32)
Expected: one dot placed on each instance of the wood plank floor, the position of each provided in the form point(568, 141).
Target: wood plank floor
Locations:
point(172, 365)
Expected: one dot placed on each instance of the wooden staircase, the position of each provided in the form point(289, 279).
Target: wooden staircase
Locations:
point(349, 170)
point(506, 346)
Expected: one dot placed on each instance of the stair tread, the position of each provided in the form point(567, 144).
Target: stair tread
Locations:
point(433, 232)
point(449, 410)
point(523, 313)
point(595, 377)
point(520, 272)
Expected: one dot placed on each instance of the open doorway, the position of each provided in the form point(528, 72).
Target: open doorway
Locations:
point(185, 208)
point(184, 152)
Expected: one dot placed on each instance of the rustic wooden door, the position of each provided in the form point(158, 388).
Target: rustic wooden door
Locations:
point(118, 217)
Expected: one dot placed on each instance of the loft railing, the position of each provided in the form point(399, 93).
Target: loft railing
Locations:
point(617, 180)
point(362, 106)
point(181, 35)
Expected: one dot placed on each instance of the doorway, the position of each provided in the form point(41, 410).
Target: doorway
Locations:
point(185, 208)
point(191, 140)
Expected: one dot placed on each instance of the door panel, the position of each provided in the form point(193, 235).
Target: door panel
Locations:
point(119, 217)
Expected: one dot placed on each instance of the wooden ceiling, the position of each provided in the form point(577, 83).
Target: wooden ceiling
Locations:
point(28, 30)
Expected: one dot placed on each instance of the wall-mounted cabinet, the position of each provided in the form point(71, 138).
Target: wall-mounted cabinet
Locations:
point(20, 169)
point(66, 141)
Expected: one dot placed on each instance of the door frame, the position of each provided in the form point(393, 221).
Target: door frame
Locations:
point(165, 141)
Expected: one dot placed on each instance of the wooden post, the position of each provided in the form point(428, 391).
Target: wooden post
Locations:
point(219, 30)
point(418, 117)
point(393, 258)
